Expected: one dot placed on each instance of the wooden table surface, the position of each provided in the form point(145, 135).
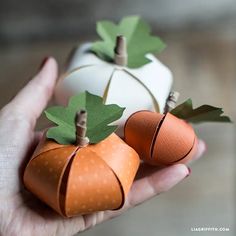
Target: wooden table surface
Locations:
point(204, 68)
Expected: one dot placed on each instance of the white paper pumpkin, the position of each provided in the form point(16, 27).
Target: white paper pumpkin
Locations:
point(144, 88)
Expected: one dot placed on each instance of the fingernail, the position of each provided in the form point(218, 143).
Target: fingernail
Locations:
point(43, 63)
point(189, 172)
point(205, 147)
point(201, 149)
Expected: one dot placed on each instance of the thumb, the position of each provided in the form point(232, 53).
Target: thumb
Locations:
point(33, 98)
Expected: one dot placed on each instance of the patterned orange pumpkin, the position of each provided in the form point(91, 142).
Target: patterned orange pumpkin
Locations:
point(79, 180)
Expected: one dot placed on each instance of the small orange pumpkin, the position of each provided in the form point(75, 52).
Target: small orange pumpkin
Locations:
point(160, 139)
point(80, 180)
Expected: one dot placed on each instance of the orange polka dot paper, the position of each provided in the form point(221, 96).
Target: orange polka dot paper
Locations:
point(75, 181)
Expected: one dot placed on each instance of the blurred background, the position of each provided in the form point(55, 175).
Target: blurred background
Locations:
point(201, 52)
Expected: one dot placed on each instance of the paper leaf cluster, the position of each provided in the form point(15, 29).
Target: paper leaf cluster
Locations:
point(99, 118)
point(204, 113)
point(138, 37)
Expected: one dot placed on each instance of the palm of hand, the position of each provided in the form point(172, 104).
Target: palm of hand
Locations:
point(20, 212)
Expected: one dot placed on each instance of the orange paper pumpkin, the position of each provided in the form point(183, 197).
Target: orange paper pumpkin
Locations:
point(74, 180)
point(160, 139)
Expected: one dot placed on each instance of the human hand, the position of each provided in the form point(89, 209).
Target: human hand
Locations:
point(23, 214)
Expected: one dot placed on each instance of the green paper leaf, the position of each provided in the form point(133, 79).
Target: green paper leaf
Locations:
point(98, 120)
point(204, 113)
point(138, 38)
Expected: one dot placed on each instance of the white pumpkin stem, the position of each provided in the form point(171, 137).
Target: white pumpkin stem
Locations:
point(120, 50)
point(171, 101)
point(81, 128)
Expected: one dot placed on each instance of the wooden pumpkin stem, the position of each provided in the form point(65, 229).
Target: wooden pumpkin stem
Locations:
point(120, 50)
point(81, 128)
point(171, 101)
